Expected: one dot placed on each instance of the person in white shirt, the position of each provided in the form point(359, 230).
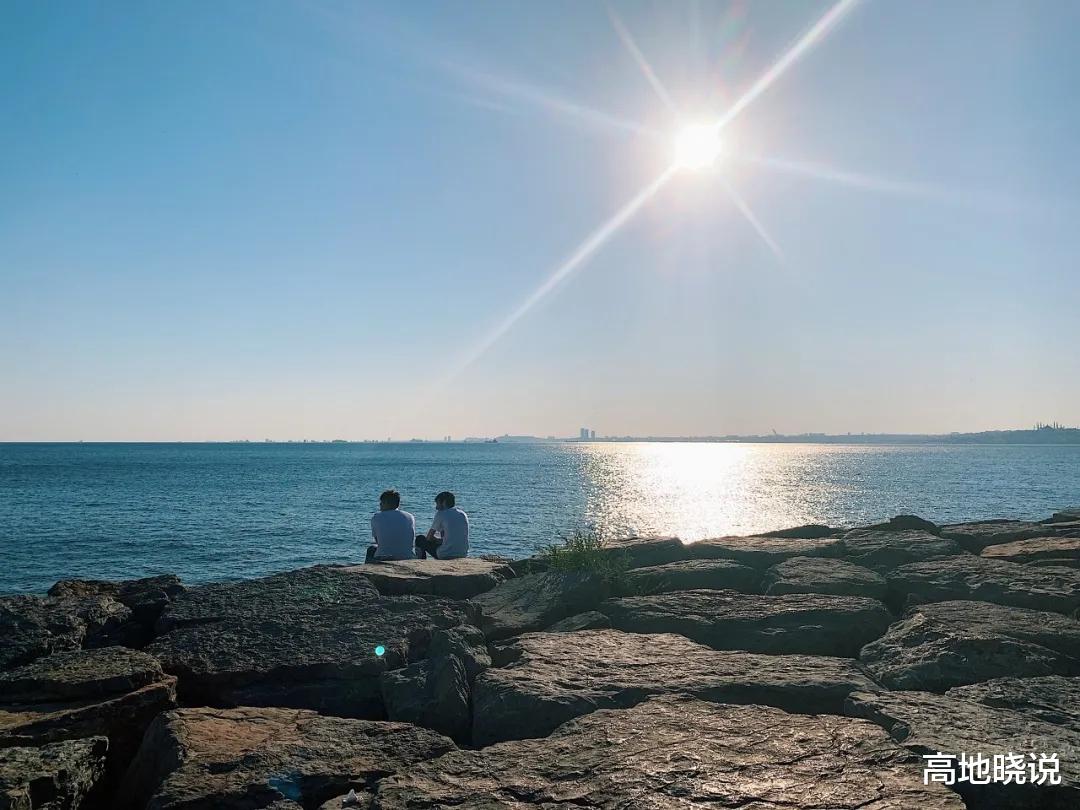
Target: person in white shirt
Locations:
point(448, 537)
point(393, 530)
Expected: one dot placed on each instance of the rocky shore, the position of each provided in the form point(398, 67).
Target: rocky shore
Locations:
point(810, 668)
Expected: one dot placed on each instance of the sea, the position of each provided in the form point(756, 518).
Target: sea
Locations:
point(217, 512)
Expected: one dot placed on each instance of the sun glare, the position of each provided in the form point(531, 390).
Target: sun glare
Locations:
point(698, 147)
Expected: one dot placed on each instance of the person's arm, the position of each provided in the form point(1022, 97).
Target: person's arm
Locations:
point(436, 525)
point(374, 535)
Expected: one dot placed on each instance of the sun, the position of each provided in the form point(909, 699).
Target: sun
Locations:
point(698, 146)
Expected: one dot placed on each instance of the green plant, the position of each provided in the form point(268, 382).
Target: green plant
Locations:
point(585, 551)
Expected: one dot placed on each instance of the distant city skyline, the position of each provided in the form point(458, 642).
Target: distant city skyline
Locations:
point(479, 218)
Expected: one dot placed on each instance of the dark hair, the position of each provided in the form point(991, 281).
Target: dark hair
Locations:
point(446, 499)
point(391, 497)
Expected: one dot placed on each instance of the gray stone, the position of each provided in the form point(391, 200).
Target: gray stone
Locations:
point(112, 692)
point(761, 552)
point(1051, 699)
point(465, 641)
point(987, 580)
point(433, 693)
point(589, 620)
point(534, 601)
point(688, 575)
point(882, 551)
point(1066, 515)
point(945, 644)
point(823, 575)
point(808, 531)
point(305, 639)
point(145, 598)
point(545, 679)
point(236, 759)
point(1054, 551)
point(32, 626)
point(814, 624)
point(57, 776)
point(674, 752)
point(644, 551)
point(977, 535)
point(453, 579)
point(902, 523)
point(928, 724)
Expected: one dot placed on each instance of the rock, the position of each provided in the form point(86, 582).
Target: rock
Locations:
point(976, 536)
point(883, 551)
point(673, 752)
point(236, 759)
point(589, 620)
point(1066, 515)
point(57, 776)
point(761, 552)
point(1052, 699)
point(688, 575)
point(901, 523)
point(534, 601)
point(823, 575)
point(545, 679)
point(305, 639)
point(644, 551)
point(464, 641)
point(814, 624)
point(928, 724)
point(433, 693)
point(987, 580)
point(453, 579)
point(945, 644)
point(32, 626)
point(146, 598)
point(1054, 551)
point(112, 692)
point(809, 531)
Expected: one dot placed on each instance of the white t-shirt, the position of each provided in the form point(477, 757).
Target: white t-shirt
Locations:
point(395, 534)
point(453, 526)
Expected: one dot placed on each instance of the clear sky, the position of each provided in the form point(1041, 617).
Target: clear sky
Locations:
point(299, 219)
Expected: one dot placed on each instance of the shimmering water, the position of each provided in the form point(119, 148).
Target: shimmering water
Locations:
point(221, 511)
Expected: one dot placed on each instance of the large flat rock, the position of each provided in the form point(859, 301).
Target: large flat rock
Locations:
point(761, 552)
point(814, 624)
point(639, 552)
point(453, 579)
point(306, 639)
point(545, 679)
point(112, 692)
point(884, 550)
point(928, 724)
point(1051, 699)
point(146, 598)
point(688, 575)
point(823, 575)
point(967, 576)
point(237, 759)
point(944, 644)
point(1054, 551)
point(977, 535)
point(57, 776)
point(678, 753)
point(534, 601)
point(33, 626)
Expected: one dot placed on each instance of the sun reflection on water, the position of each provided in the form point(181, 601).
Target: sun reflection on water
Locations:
point(698, 490)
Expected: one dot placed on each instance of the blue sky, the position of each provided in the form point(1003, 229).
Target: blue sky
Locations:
point(285, 220)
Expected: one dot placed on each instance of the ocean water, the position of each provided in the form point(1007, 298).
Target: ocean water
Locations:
point(212, 512)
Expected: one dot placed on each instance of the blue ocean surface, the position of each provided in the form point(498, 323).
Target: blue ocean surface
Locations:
point(212, 512)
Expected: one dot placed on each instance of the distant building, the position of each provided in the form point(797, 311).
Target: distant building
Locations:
point(592, 434)
point(583, 434)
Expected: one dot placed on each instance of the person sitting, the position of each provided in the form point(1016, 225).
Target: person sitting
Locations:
point(392, 529)
point(448, 537)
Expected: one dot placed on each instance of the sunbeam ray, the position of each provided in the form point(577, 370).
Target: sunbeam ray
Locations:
point(793, 54)
point(573, 262)
point(755, 223)
point(540, 97)
point(642, 62)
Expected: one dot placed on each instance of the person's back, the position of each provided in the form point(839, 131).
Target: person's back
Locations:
point(394, 530)
point(452, 526)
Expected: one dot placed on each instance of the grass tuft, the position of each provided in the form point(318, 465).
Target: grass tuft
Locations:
point(584, 551)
